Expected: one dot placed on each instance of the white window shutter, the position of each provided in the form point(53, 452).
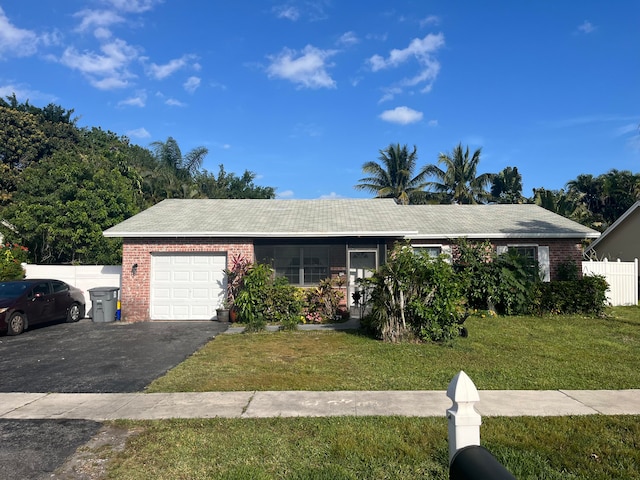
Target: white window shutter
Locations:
point(544, 263)
point(446, 250)
point(501, 249)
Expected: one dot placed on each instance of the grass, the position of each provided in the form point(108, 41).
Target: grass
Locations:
point(594, 447)
point(552, 352)
point(570, 352)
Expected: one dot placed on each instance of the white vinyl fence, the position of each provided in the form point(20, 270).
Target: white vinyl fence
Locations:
point(83, 277)
point(622, 278)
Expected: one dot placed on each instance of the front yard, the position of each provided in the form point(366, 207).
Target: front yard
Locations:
point(538, 353)
point(569, 352)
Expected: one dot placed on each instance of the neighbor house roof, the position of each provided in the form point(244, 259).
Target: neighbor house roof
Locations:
point(613, 228)
point(344, 218)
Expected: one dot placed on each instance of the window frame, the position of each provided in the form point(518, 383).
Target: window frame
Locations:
point(305, 264)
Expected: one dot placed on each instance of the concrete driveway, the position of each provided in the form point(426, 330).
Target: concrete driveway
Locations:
point(87, 357)
point(82, 357)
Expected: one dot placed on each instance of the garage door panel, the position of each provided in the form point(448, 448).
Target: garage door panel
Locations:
point(186, 287)
point(201, 276)
point(161, 276)
point(199, 293)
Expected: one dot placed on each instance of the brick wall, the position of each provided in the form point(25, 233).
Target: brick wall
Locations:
point(560, 251)
point(136, 287)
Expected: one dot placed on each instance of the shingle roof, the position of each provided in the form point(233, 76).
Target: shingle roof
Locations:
point(343, 218)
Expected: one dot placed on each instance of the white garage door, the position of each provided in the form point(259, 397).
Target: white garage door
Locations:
point(186, 287)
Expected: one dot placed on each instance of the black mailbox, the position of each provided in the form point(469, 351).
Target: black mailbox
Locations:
point(476, 463)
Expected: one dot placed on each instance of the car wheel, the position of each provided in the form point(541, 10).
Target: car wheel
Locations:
point(74, 313)
point(16, 324)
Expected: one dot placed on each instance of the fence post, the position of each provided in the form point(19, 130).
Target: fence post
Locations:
point(464, 421)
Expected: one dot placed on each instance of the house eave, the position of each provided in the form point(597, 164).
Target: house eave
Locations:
point(481, 236)
point(392, 234)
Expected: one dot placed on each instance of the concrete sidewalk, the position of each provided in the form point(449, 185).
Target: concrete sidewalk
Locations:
point(142, 406)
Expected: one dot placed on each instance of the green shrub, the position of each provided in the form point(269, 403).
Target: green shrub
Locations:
point(252, 297)
point(322, 303)
point(413, 296)
point(494, 282)
point(583, 296)
point(11, 256)
point(282, 304)
point(263, 298)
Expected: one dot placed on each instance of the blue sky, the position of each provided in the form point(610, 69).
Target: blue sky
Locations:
point(303, 92)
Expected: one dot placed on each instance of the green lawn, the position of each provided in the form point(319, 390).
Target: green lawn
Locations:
point(568, 352)
point(593, 448)
point(553, 352)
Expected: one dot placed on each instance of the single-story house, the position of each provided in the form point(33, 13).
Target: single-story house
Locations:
point(174, 253)
point(621, 241)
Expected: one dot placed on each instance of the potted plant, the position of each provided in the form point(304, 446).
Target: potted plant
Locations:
point(222, 312)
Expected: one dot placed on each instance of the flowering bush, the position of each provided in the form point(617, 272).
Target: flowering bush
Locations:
point(11, 257)
point(323, 302)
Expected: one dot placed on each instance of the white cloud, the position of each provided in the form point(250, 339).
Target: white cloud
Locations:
point(401, 115)
point(586, 27)
point(307, 69)
point(172, 102)
point(430, 20)
point(96, 19)
point(420, 49)
point(102, 33)
point(107, 70)
point(287, 11)
point(331, 196)
point(160, 72)
point(133, 6)
point(23, 94)
point(138, 100)
point(192, 84)
point(347, 39)
point(285, 194)
point(389, 94)
point(433, 123)
point(16, 41)
point(138, 133)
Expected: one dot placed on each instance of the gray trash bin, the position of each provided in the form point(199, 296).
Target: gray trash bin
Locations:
point(104, 303)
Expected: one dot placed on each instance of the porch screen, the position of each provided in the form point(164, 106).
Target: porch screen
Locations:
point(301, 265)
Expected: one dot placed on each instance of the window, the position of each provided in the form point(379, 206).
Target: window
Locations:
point(58, 286)
point(300, 265)
point(431, 250)
point(528, 252)
point(533, 253)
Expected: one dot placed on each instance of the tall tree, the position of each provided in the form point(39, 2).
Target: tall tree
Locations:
point(458, 181)
point(174, 174)
point(229, 185)
point(507, 186)
point(169, 156)
point(393, 176)
point(63, 204)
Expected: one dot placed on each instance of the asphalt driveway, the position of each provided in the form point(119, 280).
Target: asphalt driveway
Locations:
point(87, 357)
point(83, 357)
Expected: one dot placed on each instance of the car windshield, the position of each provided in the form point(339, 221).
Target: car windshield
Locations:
point(12, 289)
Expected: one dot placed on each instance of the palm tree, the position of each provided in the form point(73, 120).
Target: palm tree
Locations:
point(174, 174)
point(507, 186)
point(458, 182)
point(168, 155)
point(393, 176)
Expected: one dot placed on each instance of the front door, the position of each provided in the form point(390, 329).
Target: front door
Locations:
point(362, 264)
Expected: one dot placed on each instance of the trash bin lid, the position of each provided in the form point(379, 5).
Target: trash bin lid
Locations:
point(104, 289)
